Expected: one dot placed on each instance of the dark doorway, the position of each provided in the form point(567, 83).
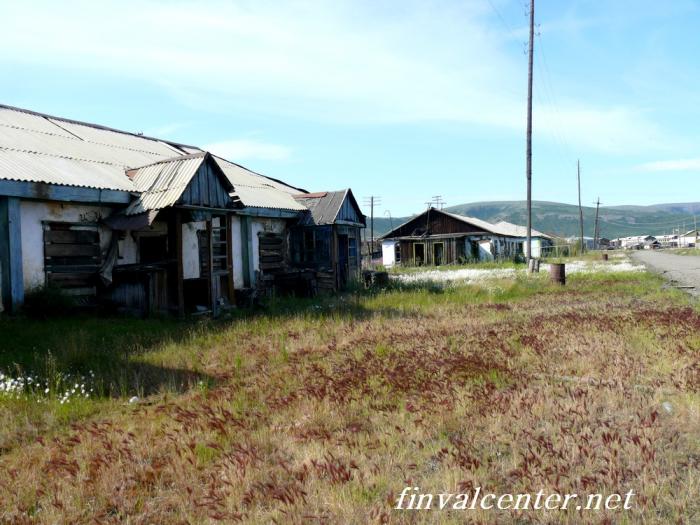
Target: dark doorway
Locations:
point(342, 260)
point(438, 253)
point(153, 249)
point(418, 254)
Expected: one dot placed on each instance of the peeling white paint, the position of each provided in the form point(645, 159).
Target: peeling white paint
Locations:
point(190, 249)
point(32, 213)
point(237, 250)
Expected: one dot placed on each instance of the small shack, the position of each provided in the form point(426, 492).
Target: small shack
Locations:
point(327, 238)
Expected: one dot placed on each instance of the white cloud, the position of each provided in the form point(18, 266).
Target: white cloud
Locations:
point(344, 61)
point(671, 165)
point(237, 150)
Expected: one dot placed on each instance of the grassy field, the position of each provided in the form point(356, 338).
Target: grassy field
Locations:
point(323, 411)
point(685, 251)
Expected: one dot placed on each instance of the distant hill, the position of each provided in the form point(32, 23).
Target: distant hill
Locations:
point(562, 219)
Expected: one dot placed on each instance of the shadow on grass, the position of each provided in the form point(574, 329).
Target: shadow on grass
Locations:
point(107, 351)
point(114, 351)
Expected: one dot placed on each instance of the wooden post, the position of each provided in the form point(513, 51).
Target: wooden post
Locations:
point(334, 255)
point(251, 252)
point(11, 253)
point(179, 270)
point(210, 267)
point(245, 255)
point(229, 258)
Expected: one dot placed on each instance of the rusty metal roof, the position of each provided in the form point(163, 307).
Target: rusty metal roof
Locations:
point(323, 206)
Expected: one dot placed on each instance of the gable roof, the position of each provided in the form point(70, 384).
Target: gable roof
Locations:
point(325, 207)
point(503, 228)
point(36, 147)
point(163, 183)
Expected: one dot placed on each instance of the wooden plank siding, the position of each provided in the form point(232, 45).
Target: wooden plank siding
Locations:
point(453, 250)
point(348, 213)
point(206, 189)
point(72, 256)
point(436, 223)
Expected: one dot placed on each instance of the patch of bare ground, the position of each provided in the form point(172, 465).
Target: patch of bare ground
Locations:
point(326, 418)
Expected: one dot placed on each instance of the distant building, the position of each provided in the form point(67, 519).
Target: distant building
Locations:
point(436, 237)
point(635, 242)
point(689, 239)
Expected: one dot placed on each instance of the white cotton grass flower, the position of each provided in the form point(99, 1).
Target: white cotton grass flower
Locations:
point(478, 275)
point(63, 388)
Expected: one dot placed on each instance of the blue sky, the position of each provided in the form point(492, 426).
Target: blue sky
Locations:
point(401, 99)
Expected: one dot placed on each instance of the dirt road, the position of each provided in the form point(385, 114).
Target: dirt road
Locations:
point(680, 270)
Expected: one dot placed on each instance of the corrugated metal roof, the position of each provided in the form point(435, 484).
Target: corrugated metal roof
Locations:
point(503, 228)
point(515, 230)
point(162, 183)
point(117, 140)
point(75, 148)
point(261, 197)
point(29, 167)
point(22, 120)
point(42, 148)
point(323, 207)
point(258, 191)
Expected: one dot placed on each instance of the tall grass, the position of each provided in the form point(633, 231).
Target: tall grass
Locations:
point(323, 410)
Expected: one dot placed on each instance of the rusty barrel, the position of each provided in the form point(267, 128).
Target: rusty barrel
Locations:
point(605, 256)
point(557, 271)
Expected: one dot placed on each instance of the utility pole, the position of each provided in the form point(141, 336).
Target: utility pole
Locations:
point(684, 230)
point(372, 201)
point(391, 221)
point(528, 154)
point(596, 231)
point(580, 209)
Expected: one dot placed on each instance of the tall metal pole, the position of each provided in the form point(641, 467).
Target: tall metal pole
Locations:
point(528, 160)
point(580, 209)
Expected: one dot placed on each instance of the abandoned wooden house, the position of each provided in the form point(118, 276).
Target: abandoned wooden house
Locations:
point(327, 237)
point(436, 237)
point(149, 225)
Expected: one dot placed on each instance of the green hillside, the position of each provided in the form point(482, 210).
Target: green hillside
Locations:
point(562, 219)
